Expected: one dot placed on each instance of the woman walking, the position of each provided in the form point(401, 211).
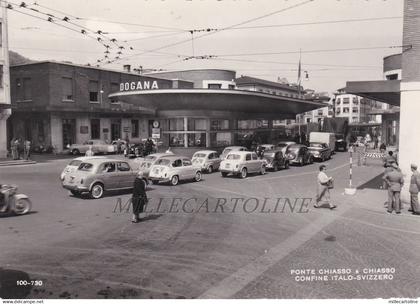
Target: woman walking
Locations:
point(324, 184)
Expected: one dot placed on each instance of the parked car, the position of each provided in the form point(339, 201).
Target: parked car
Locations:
point(134, 150)
point(283, 145)
point(173, 169)
point(75, 163)
point(230, 149)
point(98, 146)
point(95, 176)
point(123, 144)
point(208, 160)
point(320, 151)
point(241, 163)
point(340, 143)
point(275, 159)
point(299, 154)
point(144, 164)
point(266, 147)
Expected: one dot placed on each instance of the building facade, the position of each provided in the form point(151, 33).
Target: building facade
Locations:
point(5, 105)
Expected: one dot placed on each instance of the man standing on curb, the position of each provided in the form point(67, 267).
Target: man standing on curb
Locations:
point(394, 179)
point(414, 190)
point(139, 198)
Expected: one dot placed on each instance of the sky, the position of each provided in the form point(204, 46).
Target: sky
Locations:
point(339, 40)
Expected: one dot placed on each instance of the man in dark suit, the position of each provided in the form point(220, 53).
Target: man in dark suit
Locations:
point(139, 198)
point(414, 190)
point(394, 179)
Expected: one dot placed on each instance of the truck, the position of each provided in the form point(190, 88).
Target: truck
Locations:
point(323, 138)
point(340, 127)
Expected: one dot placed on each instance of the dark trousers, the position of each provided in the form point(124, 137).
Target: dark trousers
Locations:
point(138, 204)
point(415, 202)
point(395, 202)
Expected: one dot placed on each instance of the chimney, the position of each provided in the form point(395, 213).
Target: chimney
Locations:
point(127, 68)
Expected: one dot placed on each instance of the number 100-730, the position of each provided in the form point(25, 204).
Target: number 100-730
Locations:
point(32, 283)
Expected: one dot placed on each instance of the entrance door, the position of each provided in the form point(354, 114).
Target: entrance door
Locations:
point(115, 129)
point(69, 132)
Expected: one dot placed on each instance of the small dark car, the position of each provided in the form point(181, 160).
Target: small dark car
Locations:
point(275, 159)
point(320, 151)
point(340, 143)
point(299, 154)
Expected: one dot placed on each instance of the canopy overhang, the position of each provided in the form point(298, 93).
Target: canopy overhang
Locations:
point(387, 91)
point(240, 101)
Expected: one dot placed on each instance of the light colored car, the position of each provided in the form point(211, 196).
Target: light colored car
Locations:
point(95, 176)
point(173, 169)
point(207, 160)
point(320, 151)
point(144, 164)
point(229, 149)
point(267, 147)
point(75, 163)
point(98, 146)
point(242, 163)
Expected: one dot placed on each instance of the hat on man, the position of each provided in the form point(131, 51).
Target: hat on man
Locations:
point(414, 166)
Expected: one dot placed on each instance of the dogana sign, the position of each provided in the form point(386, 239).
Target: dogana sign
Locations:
point(139, 85)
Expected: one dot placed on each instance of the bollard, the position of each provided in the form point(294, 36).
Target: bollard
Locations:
point(350, 190)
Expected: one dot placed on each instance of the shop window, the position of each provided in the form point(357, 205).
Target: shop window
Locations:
point(176, 140)
point(93, 91)
point(219, 124)
point(214, 86)
point(252, 124)
point(95, 128)
point(220, 139)
point(135, 128)
point(67, 87)
point(176, 124)
point(197, 140)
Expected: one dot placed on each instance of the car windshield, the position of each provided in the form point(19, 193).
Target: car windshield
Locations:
point(269, 154)
point(293, 148)
point(75, 163)
point(163, 162)
point(316, 145)
point(226, 151)
point(233, 156)
point(281, 145)
point(150, 158)
point(85, 167)
point(200, 155)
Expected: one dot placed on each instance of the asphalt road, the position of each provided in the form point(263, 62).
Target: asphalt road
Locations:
point(219, 238)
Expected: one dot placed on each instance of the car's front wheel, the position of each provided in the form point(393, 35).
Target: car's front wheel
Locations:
point(197, 177)
point(97, 191)
point(244, 173)
point(75, 152)
point(174, 180)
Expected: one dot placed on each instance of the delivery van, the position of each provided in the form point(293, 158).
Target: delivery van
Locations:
point(324, 138)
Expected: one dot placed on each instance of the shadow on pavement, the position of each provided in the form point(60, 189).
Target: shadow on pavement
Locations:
point(374, 183)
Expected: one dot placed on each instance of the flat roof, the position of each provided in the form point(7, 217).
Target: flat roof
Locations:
point(248, 80)
point(387, 91)
point(242, 101)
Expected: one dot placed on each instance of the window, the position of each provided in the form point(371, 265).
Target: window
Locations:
point(214, 86)
point(176, 140)
point(197, 124)
point(115, 88)
point(177, 163)
point(123, 167)
point(231, 87)
point(197, 140)
point(346, 110)
point(248, 156)
point(220, 124)
point(346, 100)
point(254, 156)
point(220, 139)
point(93, 91)
point(308, 120)
point(355, 110)
point(186, 162)
point(176, 124)
point(355, 101)
point(23, 89)
point(338, 111)
point(67, 87)
point(134, 128)
point(107, 168)
point(95, 128)
point(338, 102)
point(1, 71)
point(320, 112)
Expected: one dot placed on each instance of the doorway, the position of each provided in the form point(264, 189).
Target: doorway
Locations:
point(115, 129)
point(69, 132)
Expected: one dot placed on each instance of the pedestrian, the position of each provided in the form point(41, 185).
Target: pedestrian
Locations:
point(13, 147)
point(139, 198)
point(119, 143)
point(324, 184)
point(414, 190)
point(27, 148)
point(375, 141)
point(382, 148)
point(19, 147)
point(394, 179)
point(89, 152)
point(389, 159)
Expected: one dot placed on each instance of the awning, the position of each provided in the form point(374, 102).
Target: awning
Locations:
point(387, 91)
point(239, 101)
